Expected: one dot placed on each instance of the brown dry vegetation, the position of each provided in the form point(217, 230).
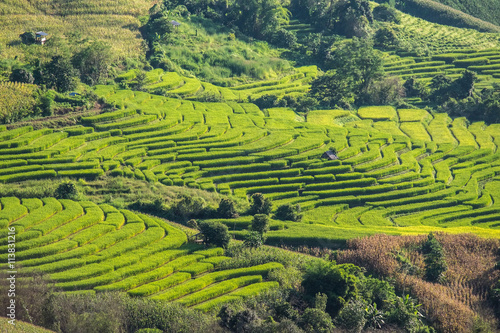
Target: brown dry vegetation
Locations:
point(452, 305)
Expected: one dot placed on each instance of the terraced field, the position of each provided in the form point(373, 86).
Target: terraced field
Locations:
point(398, 172)
point(485, 63)
point(173, 84)
point(85, 247)
point(450, 51)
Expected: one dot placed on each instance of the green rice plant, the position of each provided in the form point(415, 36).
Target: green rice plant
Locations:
point(108, 116)
point(28, 175)
point(341, 184)
point(190, 87)
point(334, 170)
point(216, 261)
point(219, 289)
point(378, 113)
point(216, 302)
point(197, 268)
point(11, 209)
point(51, 207)
point(138, 120)
point(32, 204)
point(89, 173)
point(208, 279)
point(154, 287)
point(20, 169)
point(438, 129)
point(414, 115)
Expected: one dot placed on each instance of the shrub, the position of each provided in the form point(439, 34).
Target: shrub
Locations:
point(254, 239)
point(66, 191)
point(352, 316)
point(260, 204)
point(215, 234)
point(260, 223)
point(227, 209)
point(289, 212)
point(435, 264)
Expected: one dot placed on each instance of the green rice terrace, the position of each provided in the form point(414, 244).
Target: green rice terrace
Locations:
point(84, 247)
point(398, 171)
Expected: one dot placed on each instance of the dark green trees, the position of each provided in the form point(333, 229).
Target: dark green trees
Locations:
point(60, 74)
point(435, 263)
point(260, 204)
point(215, 234)
point(227, 209)
point(288, 212)
point(260, 223)
point(93, 62)
point(357, 66)
point(337, 282)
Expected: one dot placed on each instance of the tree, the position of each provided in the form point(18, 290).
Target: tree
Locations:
point(337, 282)
point(66, 191)
point(188, 207)
point(435, 264)
point(463, 87)
point(353, 18)
point(215, 233)
point(260, 204)
point(260, 223)
point(28, 38)
point(289, 212)
point(192, 224)
point(93, 62)
point(414, 88)
point(386, 91)
point(357, 66)
point(21, 75)
point(386, 38)
point(334, 89)
point(60, 74)
point(258, 18)
point(227, 209)
point(254, 239)
point(386, 13)
point(159, 25)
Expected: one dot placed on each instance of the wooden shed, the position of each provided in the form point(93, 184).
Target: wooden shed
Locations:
point(41, 37)
point(330, 155)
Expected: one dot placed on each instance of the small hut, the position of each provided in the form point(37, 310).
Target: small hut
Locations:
point(41, 37)
point(175, 24)
point(330, 155)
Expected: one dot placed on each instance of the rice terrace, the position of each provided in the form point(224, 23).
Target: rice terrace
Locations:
point(250, 166)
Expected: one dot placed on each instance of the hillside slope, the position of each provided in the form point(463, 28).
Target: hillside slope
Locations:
point(487, 10)
point(439, 13)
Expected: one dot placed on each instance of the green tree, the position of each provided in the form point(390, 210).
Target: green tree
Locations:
point(435, 263)
point(215, 233)
point(260, 204)
point(414, 88)
point(93, 62)
point(66, 191)
point(288, 212)
point(258, 18)
point(22, 75)
point(337, 282)
point(260, 223)
point(357, 66)
point(188, 207)
point(227, 209)
point(386, 13)
point(254, 239)
point(60, 74)
point(28, 37)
